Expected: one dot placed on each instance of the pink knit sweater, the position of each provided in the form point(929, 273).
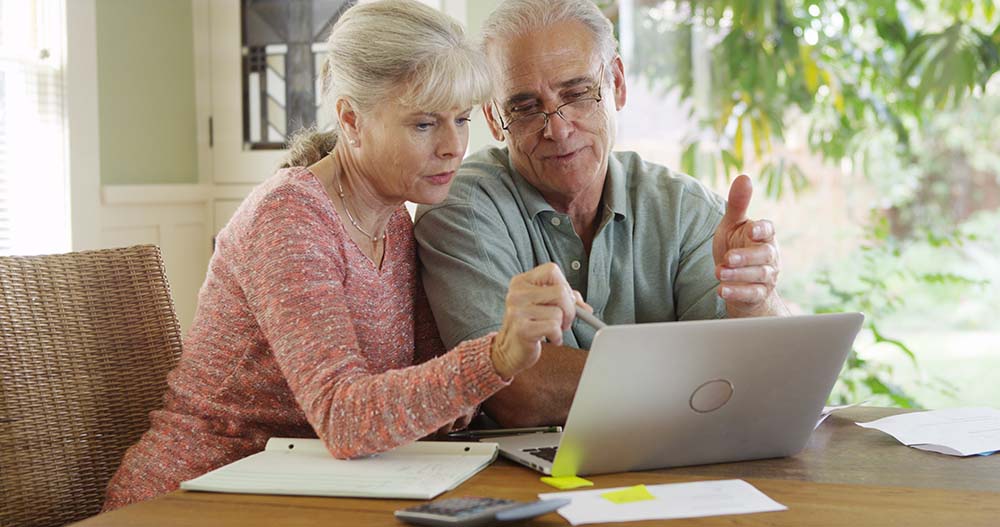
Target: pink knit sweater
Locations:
point(297, 334)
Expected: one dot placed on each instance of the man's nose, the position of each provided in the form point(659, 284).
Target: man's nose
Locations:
point(557, 127)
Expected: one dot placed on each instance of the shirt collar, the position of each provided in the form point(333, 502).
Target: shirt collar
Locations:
point(615, 192)
point(616, 188)
point(533, 201)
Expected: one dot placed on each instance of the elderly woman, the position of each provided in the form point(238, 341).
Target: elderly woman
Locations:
point(312, 319)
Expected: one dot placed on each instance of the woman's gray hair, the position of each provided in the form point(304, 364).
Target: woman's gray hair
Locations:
point(517, 17)
point(393, 48)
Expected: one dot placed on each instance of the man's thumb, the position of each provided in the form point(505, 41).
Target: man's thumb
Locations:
point(739, 200)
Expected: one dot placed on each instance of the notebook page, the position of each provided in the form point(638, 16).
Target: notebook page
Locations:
point(420, 470)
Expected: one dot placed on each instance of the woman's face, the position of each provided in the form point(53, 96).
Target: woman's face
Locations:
point(411, 155)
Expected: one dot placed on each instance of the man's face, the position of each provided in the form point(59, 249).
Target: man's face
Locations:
point(541, 70)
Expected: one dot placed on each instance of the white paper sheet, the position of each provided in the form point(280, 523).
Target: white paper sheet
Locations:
point(673, 500)
point(955, 431)
point(827, 410)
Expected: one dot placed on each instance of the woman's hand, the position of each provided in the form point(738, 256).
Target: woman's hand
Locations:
point(540, 305)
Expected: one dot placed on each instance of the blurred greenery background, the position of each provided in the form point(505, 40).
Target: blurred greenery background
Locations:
point(884, 112)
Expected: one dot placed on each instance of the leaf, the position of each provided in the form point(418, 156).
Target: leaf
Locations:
point(879, 338)
point(950, 279)
point(730, 164)
point(772, 176)
point(932, 49)
point(775, 122)
point(891, 30)
point(846, 15)
point(949, 64)
point(989, 56)
point(836, 95)
point(916, 53)
point(688, 159)
point(757, 133)
point(725, 114)
point(810, 71)
point(738, 139)
point(798, 178)
point(903, 400)
point(876, 386)
point(765, 127)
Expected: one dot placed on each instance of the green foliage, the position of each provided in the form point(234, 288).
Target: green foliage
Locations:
point(955, 170)
point(848, 67)
point(875, 281)
point(889, 88)
point(892, 88)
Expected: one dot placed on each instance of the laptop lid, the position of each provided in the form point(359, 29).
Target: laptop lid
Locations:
point(689, 393)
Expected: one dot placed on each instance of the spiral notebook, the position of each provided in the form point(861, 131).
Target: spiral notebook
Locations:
point(304, 467)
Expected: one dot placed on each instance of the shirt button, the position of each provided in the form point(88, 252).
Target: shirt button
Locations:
point(556, 221)
point(575, 265)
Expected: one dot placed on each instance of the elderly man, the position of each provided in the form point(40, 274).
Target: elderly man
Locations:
point(640, 242)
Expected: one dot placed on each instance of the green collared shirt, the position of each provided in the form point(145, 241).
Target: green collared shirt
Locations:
point(651, 260)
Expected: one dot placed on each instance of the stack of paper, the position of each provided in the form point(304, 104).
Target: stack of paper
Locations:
point(956, 431)
point(664, 502)
point(304, 467)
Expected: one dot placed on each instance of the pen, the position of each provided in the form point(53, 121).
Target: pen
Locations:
point(475, 434)
point(589, 318)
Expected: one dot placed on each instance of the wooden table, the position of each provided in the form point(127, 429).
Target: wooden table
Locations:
point(846, 476)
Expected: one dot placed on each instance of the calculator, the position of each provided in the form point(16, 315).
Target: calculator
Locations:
point(473, 511)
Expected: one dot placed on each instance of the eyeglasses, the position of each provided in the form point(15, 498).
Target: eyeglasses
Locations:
point(583, 106)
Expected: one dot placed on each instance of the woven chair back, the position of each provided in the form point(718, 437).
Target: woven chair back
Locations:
point(86, 341)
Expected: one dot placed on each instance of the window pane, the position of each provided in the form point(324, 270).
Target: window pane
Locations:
point(33, 180)
point(281, 66)
point(871, 134)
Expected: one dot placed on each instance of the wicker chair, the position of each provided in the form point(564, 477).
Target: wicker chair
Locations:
point(86, 341)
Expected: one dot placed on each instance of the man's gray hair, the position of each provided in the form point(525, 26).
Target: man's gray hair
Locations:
point(517, 17)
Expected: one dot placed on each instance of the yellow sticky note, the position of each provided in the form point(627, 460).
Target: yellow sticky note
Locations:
point(636, 493)
point(568, 482)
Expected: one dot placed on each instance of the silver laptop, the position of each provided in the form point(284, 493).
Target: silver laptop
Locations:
point(691, 393)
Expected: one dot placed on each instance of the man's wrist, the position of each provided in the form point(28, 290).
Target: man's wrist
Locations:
point(773, 306)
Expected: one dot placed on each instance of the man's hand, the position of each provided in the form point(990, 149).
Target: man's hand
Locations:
point(747, 260)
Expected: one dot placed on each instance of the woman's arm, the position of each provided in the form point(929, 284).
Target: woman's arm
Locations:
point(293, 282)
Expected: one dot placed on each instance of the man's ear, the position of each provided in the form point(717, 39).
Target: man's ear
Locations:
point(495, 129)
point(618, 81)
point(348, 120)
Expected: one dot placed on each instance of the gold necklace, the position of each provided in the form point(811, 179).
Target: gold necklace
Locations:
point(350, 217)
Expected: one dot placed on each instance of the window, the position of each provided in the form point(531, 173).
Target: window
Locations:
point(34, 199)
point(870, 130)
point(284, 42)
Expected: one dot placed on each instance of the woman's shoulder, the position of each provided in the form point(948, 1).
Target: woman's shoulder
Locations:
point(291, 197)
point(290, 192)
point(296, 182)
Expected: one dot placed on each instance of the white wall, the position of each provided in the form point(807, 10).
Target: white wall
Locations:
point(181, 218)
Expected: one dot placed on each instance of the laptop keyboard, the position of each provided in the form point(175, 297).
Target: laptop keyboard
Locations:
point(547, 453)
